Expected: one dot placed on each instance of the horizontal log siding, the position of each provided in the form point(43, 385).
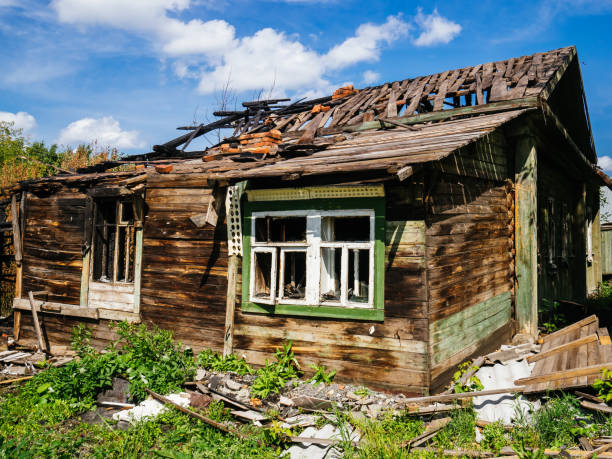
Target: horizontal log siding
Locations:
point(469, 243)
point(184, 268)
point(391, 355)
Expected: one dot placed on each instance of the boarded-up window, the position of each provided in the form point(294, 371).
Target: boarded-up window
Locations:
point(114, 241)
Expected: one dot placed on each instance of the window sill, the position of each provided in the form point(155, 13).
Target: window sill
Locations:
point(330, 312)
point(23, 304)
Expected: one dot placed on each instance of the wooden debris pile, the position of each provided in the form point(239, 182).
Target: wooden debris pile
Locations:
point(571, 357)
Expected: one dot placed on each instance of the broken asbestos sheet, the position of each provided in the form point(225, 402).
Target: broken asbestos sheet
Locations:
point(503, 407)
point(150, 408)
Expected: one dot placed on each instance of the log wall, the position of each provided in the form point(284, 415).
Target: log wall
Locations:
point(184, 268)
point(469, 248)
point(388, 355)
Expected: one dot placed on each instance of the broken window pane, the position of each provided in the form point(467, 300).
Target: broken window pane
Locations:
point(331, 265)
point(294, 275)
point(359, 275)
point(345, 229)
point(262, 281)
point(280, 229)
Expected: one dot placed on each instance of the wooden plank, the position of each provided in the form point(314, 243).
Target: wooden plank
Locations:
point(371, 342)
point(562, 348)
point(571, 328)
point(39, 336)
point(526, 235)
point(228, 338)
point(55, 308)
point(564, 374)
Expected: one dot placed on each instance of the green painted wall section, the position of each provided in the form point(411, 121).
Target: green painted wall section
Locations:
point(526, 218)
point(467, 327)
point(606, 251)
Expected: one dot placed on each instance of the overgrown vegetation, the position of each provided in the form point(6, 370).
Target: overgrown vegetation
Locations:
point(42, 418)
point(272, 377)
point(321, 375)
point(603, 386)
point(473, 382)
point(214, 361)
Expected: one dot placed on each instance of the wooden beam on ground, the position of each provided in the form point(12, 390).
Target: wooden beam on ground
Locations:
point(563, 347)
point(193, 414)
point(591, 370)
point(430, 431)
point(575, 326)
point(41, 341)
point(230, 305)
point(599, 407)
point(448, 397)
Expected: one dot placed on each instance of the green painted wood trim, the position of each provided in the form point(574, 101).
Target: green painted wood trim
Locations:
point(315, 311)
point(526, 229)
point(376, 313)
point(468, 326)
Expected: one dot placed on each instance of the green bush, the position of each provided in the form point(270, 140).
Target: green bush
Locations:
point(216, 362)
point(272, 377)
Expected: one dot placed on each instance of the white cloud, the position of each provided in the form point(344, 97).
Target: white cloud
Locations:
point(435, 29)
point(365, 45)
point(370, 76)
point(605, 162)
point(21, 120)
point(271, 59)
point(150, 19)
point(104, 131)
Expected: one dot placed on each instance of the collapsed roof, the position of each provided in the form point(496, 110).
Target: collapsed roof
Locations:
point(422, 119)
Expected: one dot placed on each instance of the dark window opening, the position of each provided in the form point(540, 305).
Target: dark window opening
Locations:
point(345, 229)
point(114, 242)
point(280, 229)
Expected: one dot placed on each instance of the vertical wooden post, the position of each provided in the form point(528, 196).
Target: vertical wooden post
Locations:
point(15, 220)
point(526, 230)
point(41, 341)
point(230, 307)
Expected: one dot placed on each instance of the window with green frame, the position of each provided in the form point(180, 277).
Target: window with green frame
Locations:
point(316, 257)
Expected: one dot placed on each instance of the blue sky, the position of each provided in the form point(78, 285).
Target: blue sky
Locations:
point(127, 72)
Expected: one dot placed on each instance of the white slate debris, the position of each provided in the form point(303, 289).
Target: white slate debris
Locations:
point(232, 385)
point(150, 408)
point(313, 451)
point(249, 415)
point(503, 407)
point(301, 420)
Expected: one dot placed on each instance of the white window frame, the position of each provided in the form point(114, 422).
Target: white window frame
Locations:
point(272, 251)
point(312, 246)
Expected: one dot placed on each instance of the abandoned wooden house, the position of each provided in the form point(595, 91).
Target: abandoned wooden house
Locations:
point(390, 233)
